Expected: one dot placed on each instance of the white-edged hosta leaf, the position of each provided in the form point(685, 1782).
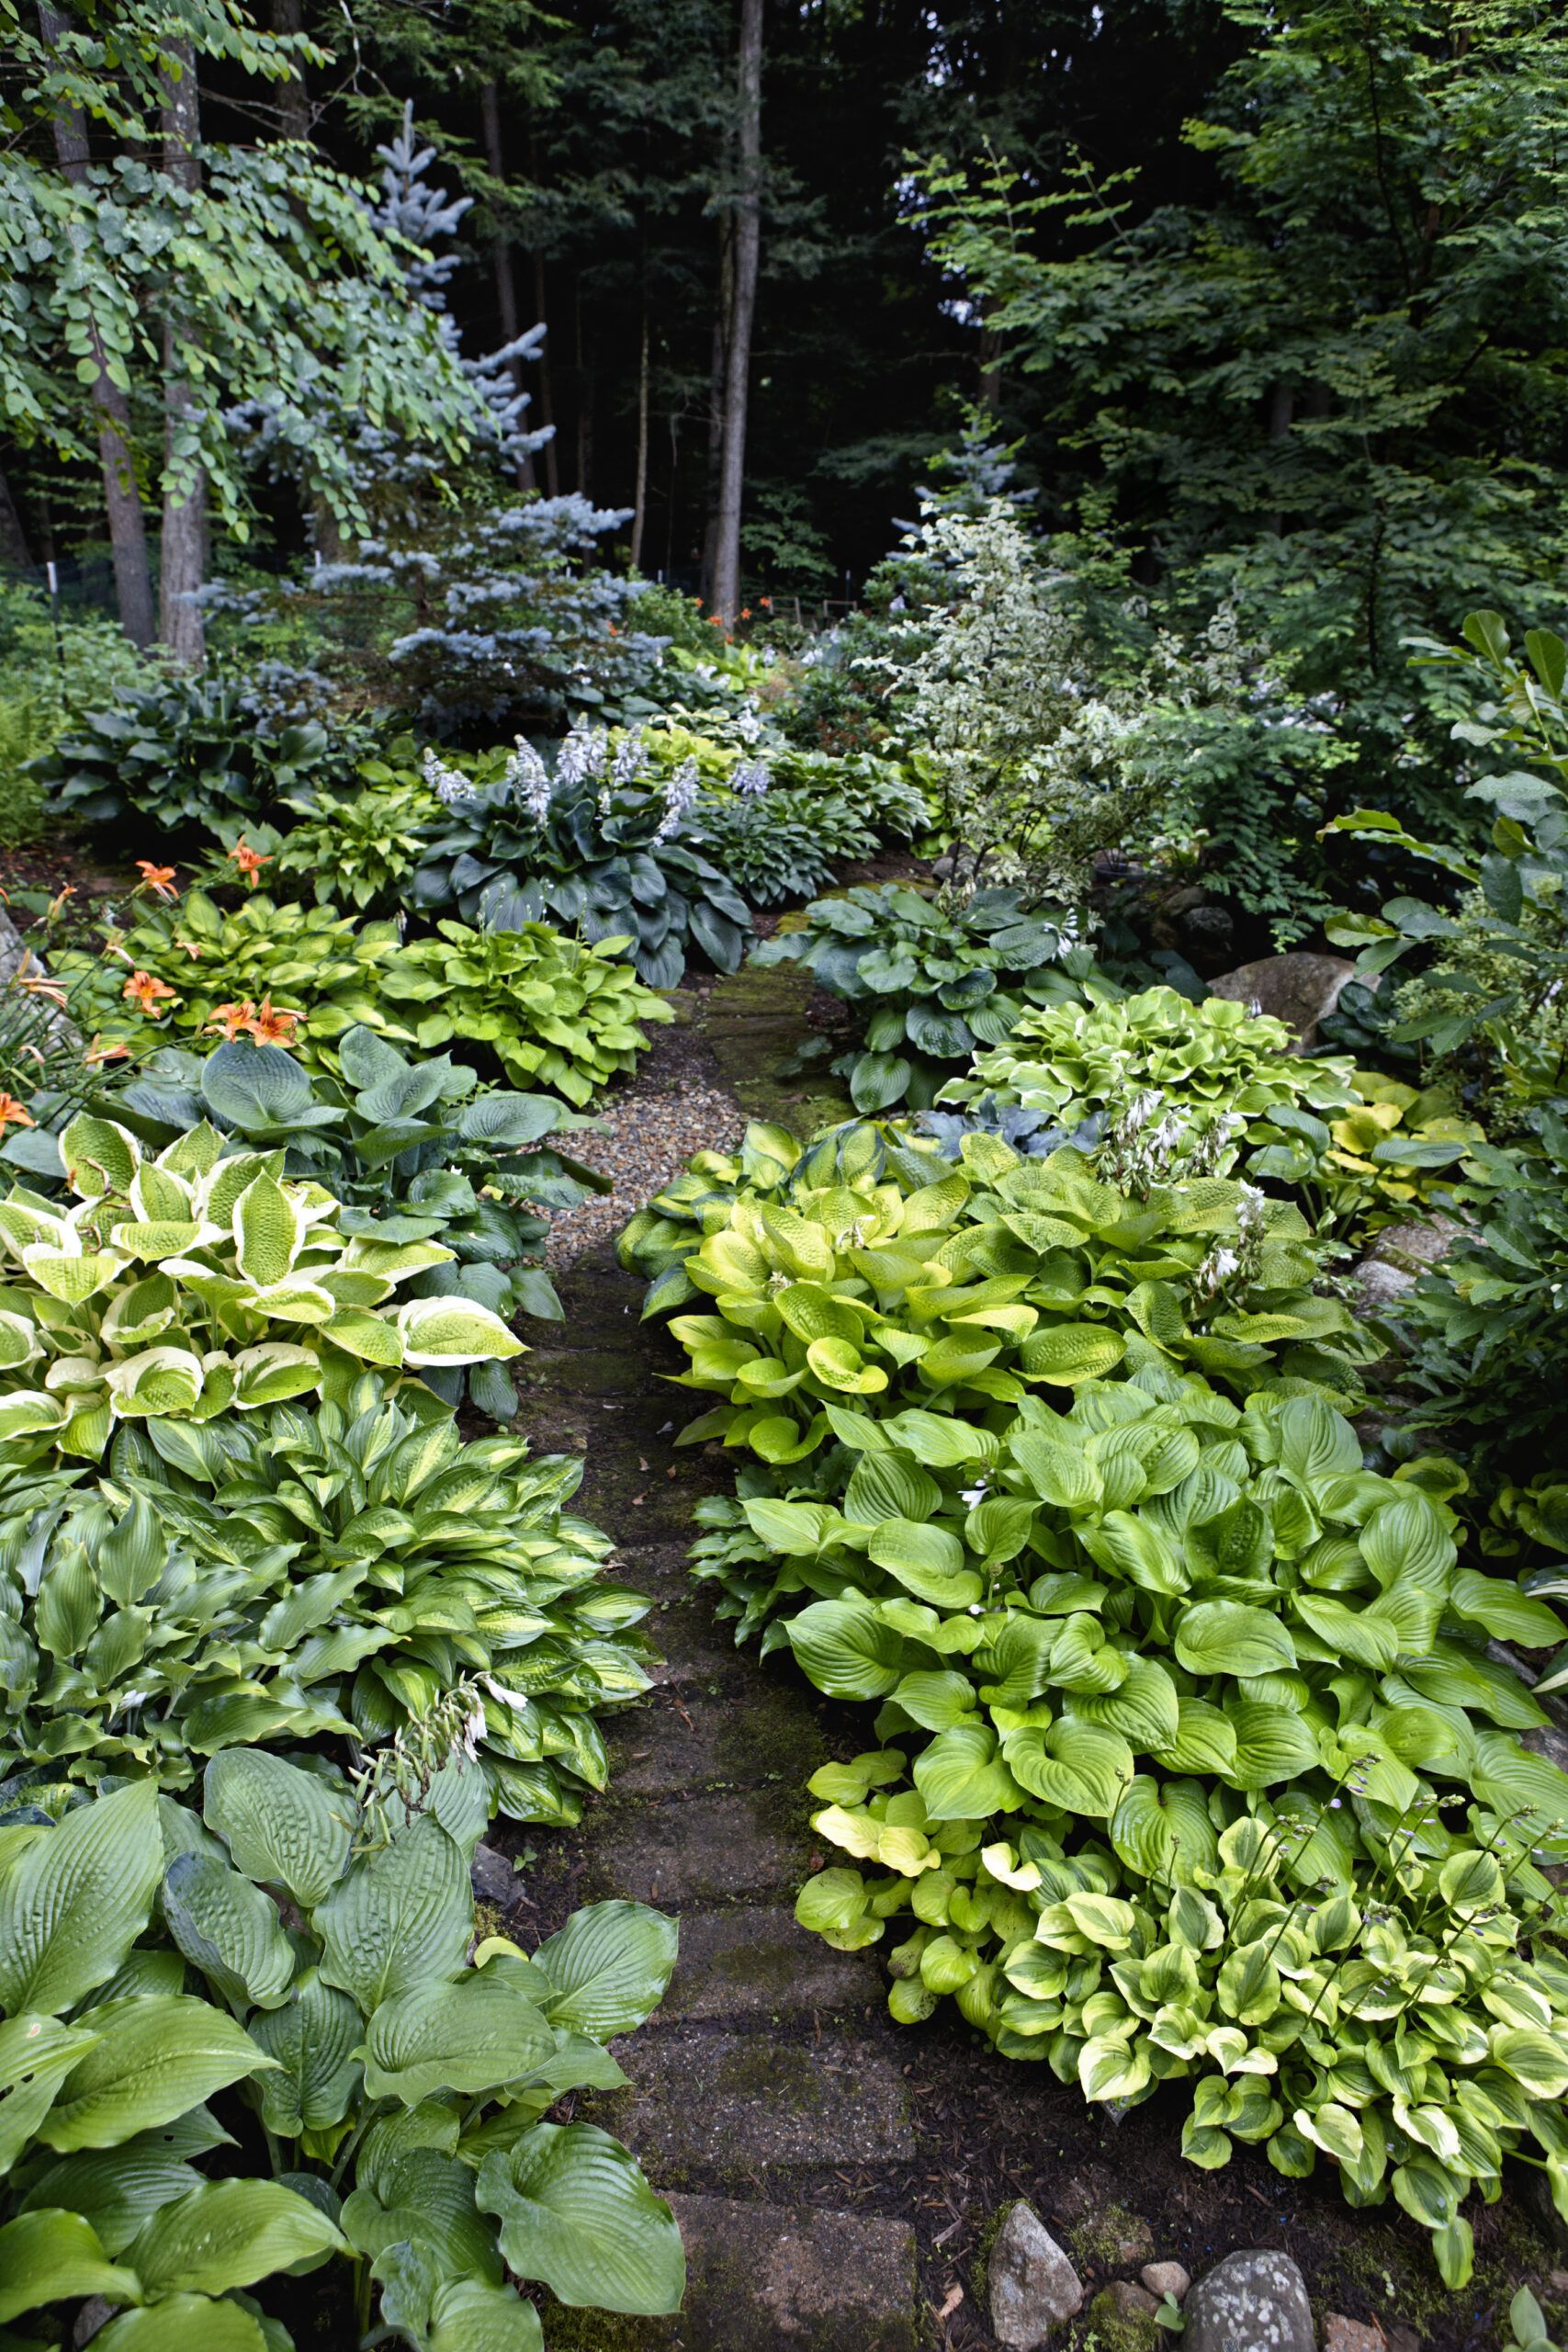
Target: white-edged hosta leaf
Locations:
point(453, 1330)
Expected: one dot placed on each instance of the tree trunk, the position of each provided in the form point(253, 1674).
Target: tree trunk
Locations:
point(293, 98)
point(13, 549)
point(500, 255)
point(127, 529)
point(742, 310)
point(639, 502)
point(584, 398)
point(183, 541)
point(541, 313)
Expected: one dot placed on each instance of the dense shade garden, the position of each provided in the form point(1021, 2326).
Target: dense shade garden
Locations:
point(369, 797)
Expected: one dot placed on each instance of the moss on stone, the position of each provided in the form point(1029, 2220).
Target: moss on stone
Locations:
point(1117, 2331)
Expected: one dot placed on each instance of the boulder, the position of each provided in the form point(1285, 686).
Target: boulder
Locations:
point(1341, 2334)
point(1400, 1255)
point(1253, 2301)
point(1299, 988)
point(1033, 2286)
point(1166, 2278)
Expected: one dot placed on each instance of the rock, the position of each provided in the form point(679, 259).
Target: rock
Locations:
point(1166, 2278)
point(1033, 2286)
point(1131, 2301)
point(1253, 2301)
point(1400, 1255)
point(1298, 988)
point(493, 1877)
point(1341, 2334)
point(1404, 2339)
point(1208, 933)
point(1135, 2241)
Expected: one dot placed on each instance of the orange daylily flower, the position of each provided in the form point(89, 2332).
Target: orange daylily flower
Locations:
point(14, 1114)
point(58, 900)
point(36, 981)
point(231, 1021)
point(101, 1051)
point(156, 879)
point(149, 995)
point(248, 860)
point(745, 612)
point(272, 1025)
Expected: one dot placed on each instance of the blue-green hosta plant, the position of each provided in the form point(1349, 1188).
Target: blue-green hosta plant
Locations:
point(193, 1282)
point(1054, 1475)
point(324, 1576)
point(283, 1983)
point(414, 1151)
point(930, 984)
point(1229, 1078)
point(600, 846)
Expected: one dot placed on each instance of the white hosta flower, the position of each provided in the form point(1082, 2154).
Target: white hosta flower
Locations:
point(449, 784)
point(629, 760)
point(582, 754)
point(751, 779)
point(530, 779)
point(974, 1495)
point(679, 795)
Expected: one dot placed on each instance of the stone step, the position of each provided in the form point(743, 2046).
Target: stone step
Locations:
point(685, 1739)
point(766, 2276)
point(753, 1965)
point(699, 1851)
point(730, 2104)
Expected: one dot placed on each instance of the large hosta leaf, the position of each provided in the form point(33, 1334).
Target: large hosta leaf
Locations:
point(471, 2036)
point(157, 2056)
point(52, 2257)
point(73, 1902)
point(610, 1966)
point(36, 2055)
point(1080, 1766)
point(229, 1930)
point(228, 2233)
point(401, 1917)
point(185, 2324)
point(846, 1650)
point(961, 1777)
point(313, 2040)
point(285, 1827)
point(576, 2211)
point(1228, 1637)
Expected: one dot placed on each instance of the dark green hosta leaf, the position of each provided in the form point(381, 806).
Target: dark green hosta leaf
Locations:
point(283, 1826)
point(475, 2035)
point(425, 2198)
point(576, 2211)
point(878, 1080)
point(442, 2314)
point(313, 2040)
point(73, 1902)
point(229, 1930)
point(610, 1966)
point(945, 1036)
point(228, 2233)
point(403, 1917)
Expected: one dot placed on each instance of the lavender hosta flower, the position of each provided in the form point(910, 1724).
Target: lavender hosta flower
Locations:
point(582, 754)
point(527, 775)
point(751, 779)
point(629, 760)
point(449, 784)
point(679, 794)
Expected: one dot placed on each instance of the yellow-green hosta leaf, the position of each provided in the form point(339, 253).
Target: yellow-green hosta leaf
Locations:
point(228, 2233)
point(69, 1276)
point(1070, 1352)
point(961, 1776)
point(1078, 1767)
point(295, 1300)
point(453, 1331)
point(926, 1560)
point(157, 2056)
point(99, 1155)
point(1229, 1637)
point(55, 2257)
point(160, 1380)
point(184, 2324)
point(361, 1332)
point(1111, 2068)
point(839, 1364)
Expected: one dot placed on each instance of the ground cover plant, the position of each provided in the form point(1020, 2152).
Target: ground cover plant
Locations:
point(600, 845)
point(1193, 1760)
point(930, 981)
point(415, 1152)
point(375, 2091)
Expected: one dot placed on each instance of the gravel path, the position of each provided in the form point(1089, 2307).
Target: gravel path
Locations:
point(646, 1137)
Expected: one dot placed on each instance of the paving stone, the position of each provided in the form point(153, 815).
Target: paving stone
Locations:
point(697, 1851)
point(683, 1740)
point(762, 2276)
point(755, 1963)
point(732, 2103)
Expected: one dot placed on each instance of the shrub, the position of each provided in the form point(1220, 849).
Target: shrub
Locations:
point(379, 2093)
point(599, 847)
point(185, 1285)
point(413, 1151)
point(1193, 1759)
point(327, 1573)
point(930, 982)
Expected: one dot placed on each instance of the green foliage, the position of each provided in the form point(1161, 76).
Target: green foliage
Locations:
point(414, 1152)
point(601, 848)
point(549, 1008)
point(930, 982)
point(396, 2083)
point(361, 848)
point(185, 1285)
point(1217, 1079)
point(1157, 1669)
point(1282, 390)
point(780, 845)
point(316, 1575)
point(1387, 1156)
point(182, 752)
point(1527, 2324)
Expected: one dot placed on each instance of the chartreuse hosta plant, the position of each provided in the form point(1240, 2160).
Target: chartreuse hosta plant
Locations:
point(251, 2044)
point(313, 1575)
point(415, 1149)
point(193, 1282)
point(1193, 1760)
point(929, 983)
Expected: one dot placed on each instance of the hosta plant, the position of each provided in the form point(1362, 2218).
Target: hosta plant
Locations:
point(1112, 1615)
point(1220, 1071)
point(601, 846)
point(930, 984)
point(551, 1011)
point(185, 968)
point(1393, 1153)
point(414, 1151)
point(287, 1979)
point(360, 849)
point(329, 1576)
point(191, 1284)
point(183, 751)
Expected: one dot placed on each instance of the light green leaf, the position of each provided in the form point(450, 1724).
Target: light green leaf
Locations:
point(1228, 1637)
point(611, 1965)
point(402, 1916)
point(228, 2233)
point(575, 2211)
point(228, 1929)
point(52, 2257)
point(185, 2324)
point(157, 2056)
point(75, 1900)
point(475, 2035)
